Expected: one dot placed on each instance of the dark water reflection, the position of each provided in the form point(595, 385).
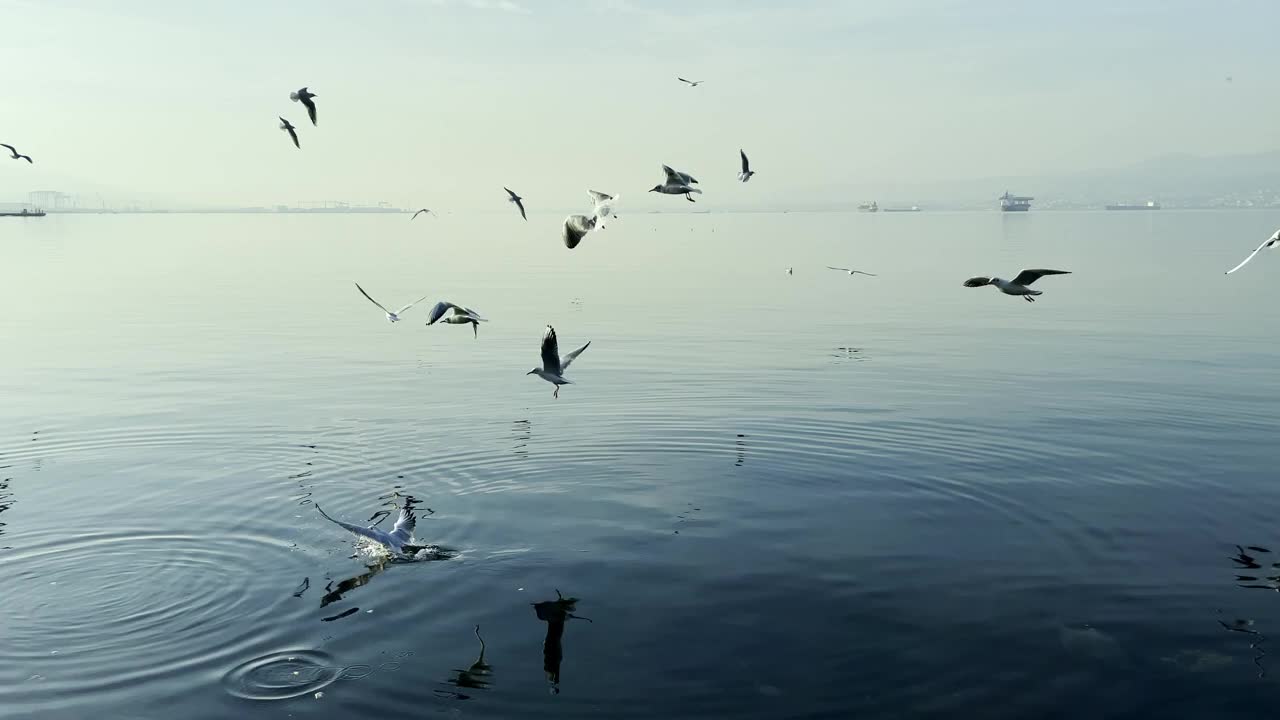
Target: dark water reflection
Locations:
point(555, 613)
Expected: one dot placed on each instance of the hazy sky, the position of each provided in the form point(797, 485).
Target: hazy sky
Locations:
point(442, 102)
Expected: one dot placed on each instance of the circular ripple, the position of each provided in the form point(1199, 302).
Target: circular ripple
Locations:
point(282, 675)
point(119, 609)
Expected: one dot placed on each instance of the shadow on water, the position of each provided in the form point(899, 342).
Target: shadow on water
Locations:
point(1244, 560)
point(521, 433)
point(476, 677)
point(555, 613)
point(333, 594)
point(740, 447)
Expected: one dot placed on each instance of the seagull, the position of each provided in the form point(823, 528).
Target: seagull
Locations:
point(423, 210)
point(1019, 285)
point(1270, 243)
point(791, 271)
point(396, 541)
point(16, 154)
point(576, 227)
point(517, 200)
point(692, 83)
point(851, 272)
point(391, 316)
point(603, 206)
point(293, 132)
point(304, 96)
point(746, 173)
point(553, 366)
point(677, 183)
point(459, 316)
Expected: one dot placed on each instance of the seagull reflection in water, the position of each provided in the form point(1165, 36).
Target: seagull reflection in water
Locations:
point(555, 613)
point(476, 677)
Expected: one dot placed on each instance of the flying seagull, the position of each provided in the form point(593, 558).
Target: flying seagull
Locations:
point(423, 210)
point(286, 126)
point(1270, 243)
point(747, 172)
point(517, 200)
point(396, 541)
point(553, 366)
point(576, 227)
point(677, 183)
point(391, 316)
point(692, 83)
point(851, 272)
point(304, 96)
point(16, 154)
point(459, 316)
point(1019, 285)
point(791, 271)
point(603, 206)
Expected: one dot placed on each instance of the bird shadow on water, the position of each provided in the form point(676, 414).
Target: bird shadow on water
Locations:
point(555, 613)
point(1245, 559)
point(478, 676)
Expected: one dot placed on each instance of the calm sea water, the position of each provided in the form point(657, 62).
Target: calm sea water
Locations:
point(772, 496)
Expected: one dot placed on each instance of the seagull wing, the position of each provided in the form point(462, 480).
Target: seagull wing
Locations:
point(977, 282)
point(859, 272)
point(403, 529)
point(833, 267)
point(12, 149)
point(415, 302)
point(550, 351)
point(1271, 242)
point(746, 167)
point(684, 81)
point(439, 310)
point(568, 359)
point(520, 205)
point(599, 198)
point(673, 177)
point(311, 106)
point(27, 158)
point(373, 534)
point(415, 215)
point(375, 302)
point(576, 227)
point(1026, 277)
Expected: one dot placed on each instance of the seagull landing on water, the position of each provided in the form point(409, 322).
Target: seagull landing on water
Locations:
point(458, 316)
point(677, 183)
point(1271, 242)
point(553, 366)
point(391, 316)
point(519, 201)
point(423, 210)
point(288, 127)
point(1017, 286)
point(17, 155)
point(304, 96)
point(851, 272)
point(747, 172)
point(396, 541)
point(603, 204)
point(691, 83)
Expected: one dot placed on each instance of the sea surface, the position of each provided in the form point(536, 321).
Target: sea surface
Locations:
point(764, 496)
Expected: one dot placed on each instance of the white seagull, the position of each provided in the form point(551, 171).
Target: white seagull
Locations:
point(1270, 243)
point(396, 541)
point(391, 316)
point(17, 155)
point(304, 96)
point(1017, 286)
point(288, 127)
point(677, 183)
point(459, 316)
point(747, 172)
point(423, 210)
point(851, 272)
point(576, 227)
point(553, 366)
point(517, 200)
point(692, 83)
point(603, 206)
point(791, 271)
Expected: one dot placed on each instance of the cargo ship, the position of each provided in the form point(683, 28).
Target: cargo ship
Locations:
point(869, 207)
point(913, 208)
point(25, 213)
point(1149, 205)
point(1014, 203)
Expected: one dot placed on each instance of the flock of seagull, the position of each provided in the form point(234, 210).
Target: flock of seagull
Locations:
point(576, 227)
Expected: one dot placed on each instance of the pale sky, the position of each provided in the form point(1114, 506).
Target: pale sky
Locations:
point(442, 102)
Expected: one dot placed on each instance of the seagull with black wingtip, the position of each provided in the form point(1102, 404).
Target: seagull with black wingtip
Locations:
point(553, 366)
point(304, 96)
point(288, 127)
point(17, 155)
point(519, 201)
point(747, 172)
point(1019, 285)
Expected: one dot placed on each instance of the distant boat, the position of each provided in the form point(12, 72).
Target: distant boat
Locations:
point(869, 207)
point(1150, 205)
point(1014, 203)
point(25, 213)
point(913, 208)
